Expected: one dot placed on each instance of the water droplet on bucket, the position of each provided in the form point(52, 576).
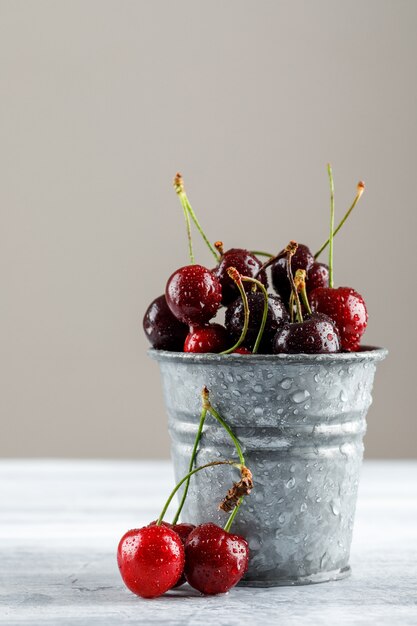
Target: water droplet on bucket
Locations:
point(286, 383)
point(334, 505)
point(300, 395)
point(303, 507)
point(290, 483)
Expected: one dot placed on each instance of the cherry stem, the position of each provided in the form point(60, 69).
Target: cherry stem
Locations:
point(261, 253)
point(265, 311)
point(192, 460)
point(360, 189)
point(215, 414)
point(187, 477)
point(291, 249)
point(300, 284)
point(330, 172)
point(237, 278)
point(179, 188)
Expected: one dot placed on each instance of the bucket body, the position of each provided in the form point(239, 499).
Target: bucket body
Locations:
point(300, 420)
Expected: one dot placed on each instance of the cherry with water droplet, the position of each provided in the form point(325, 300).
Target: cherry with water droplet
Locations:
point(316, 334)
point(215, 560)
point(193, 294)
point(347, 309)
point(246, 264)
point(317, 276)
point(163, 330)
point(151, 560)
point(277, 314)
point(209, 338)
point(302, 259)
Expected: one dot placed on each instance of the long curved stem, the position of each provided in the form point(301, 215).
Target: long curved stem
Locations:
point(291, 250)
point(330, 173)
point(186, 477)
point(227, 428)
point(233, 515)
point(360, 189)
point(191, 465)
point(265, 310)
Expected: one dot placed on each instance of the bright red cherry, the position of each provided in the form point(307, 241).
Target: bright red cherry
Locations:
point(317, 276)
point(316, 334)
point(242, 350)
point(246, 264)
point(301, 260)
point(215, 559)
point(193, 294)
point(347, 309)
point(162, 328)
point(209, 338)
point(151, 560)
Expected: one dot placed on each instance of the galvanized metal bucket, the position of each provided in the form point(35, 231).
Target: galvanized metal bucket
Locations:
point(301, 420)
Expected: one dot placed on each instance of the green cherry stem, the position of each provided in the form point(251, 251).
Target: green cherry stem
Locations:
point(256, 282)
point(359, 191)
point(233, 515)
point(192, 460)
point(187, 477)
point(179, 188)
point(237, 278)
point(330, 173)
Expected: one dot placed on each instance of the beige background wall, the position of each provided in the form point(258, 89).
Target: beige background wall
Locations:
point(101, 102)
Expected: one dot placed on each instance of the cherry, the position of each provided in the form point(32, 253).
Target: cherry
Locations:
point(317, 334)
point(209, 338)
point(317, 276)
point(277, 314)
point(162, 328)
point(347, 309)
point(193, 294)
point(242, 350)
point(246, 264)
point(215, 559)
point(302, 259)
point(151, 560)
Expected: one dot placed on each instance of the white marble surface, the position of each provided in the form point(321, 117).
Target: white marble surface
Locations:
point(60, 522)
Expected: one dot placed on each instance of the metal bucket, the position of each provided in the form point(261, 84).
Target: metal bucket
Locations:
point(301, 420)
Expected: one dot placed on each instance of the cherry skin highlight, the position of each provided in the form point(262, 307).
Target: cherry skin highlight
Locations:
point(215, 559)
point(246, 264)
point(303, 259)
point(317, 334)
point(347, 309)
point(193, 294)
point(163, 330)
point(151, 560)
point(209, 338)
point(277, 314)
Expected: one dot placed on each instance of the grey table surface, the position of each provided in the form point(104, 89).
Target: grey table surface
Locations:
point(60, 522)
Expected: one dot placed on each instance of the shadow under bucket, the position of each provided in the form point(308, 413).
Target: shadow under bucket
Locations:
point(301, 420)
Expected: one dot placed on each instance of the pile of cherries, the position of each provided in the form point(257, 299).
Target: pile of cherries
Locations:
point(326, 320)
point(157, 558)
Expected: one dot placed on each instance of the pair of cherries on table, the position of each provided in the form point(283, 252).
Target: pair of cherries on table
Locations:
point(179, 320)
point(157, 558)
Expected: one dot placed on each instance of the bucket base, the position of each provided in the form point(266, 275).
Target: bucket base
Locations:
point(320, 577)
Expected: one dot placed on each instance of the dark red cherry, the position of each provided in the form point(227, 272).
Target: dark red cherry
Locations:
point(317, 334)
point(193, 294)
point(317, 276)
point(183, 530)
point(234, 319)
point(209, 338)
point(162, 328)
point(151, 560)
point(347, 309)
point(246, 264)
point(215, 559)
point(301, 260)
